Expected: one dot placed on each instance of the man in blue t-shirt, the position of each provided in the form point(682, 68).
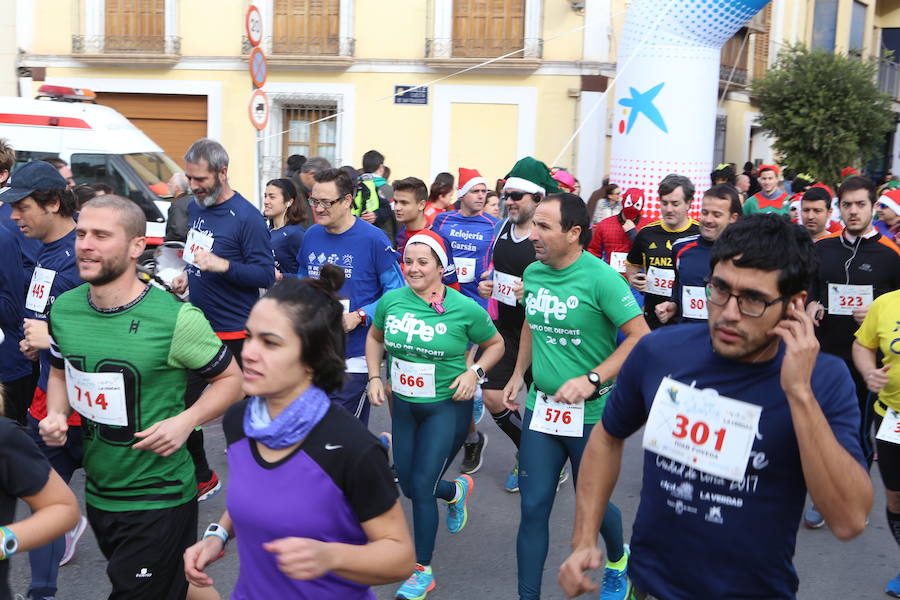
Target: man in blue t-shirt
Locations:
point(721, 207)
point(743, 415)
point(370, 269)
point(470, 231)
point(229, 255)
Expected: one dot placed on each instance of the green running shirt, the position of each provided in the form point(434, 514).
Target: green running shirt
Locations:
point(152, 341)
point(415, 332)
point(574, 315)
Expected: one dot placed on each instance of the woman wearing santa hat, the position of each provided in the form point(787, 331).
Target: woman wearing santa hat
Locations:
point(426, 328)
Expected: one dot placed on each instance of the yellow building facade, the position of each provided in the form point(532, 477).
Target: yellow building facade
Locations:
point(861, 27)
point(179, 70)
point(180, 67)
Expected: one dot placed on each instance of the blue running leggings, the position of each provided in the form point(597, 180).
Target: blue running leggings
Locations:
point(426, 438)
point(541, 457)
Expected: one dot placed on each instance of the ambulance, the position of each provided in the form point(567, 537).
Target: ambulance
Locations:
point(99, 144)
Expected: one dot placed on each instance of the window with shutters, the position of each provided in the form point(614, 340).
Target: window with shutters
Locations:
point(135, 27)
point(311, 131)
point(307, 27)
point(488, 28)
point(733, 60)
point(761, 44)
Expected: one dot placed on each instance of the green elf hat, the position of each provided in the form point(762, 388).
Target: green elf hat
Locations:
point(532, 176)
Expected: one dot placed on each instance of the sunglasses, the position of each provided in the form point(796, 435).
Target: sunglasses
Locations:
point(516, 196)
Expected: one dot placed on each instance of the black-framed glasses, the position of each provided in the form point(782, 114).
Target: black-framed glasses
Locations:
point(750, 305)
point(326, 204)
point(516, 196)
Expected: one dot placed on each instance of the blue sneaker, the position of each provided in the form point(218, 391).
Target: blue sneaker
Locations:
point(512, 480)
point(812, 518)
point(418, 585)
point(893, 587)
point(478, 405)
point(458, 512)
point(616, 585)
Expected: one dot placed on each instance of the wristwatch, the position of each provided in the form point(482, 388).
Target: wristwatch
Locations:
point(594, 378)
point(9, 543)
point(218, 531)
point(362, 315)
point(479, 373)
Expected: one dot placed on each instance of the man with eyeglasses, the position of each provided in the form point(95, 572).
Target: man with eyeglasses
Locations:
point(649, 266)
point(370, 266)
point(721, 207)
point(734, 436)
point(856, 266)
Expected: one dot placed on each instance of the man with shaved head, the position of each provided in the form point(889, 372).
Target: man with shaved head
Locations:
point(121, 350)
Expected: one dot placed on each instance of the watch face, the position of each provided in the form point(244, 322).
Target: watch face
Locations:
point(593, 378)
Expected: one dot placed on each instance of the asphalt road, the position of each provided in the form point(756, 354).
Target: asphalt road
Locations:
point(480, 561)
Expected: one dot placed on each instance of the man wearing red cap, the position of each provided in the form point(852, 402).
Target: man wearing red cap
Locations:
point(888, 223)
point(769, 199)
point(470, 231)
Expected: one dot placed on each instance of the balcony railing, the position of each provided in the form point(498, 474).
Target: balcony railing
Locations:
point(889, 79)
point(122, 44)
point(484, 48)
point(735, 79)
point(305, 46)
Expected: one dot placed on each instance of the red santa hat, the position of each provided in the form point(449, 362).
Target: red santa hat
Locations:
point(433, 241)
point(468, 178)
point(891, 199)
point(848, 171)
point(773, 168)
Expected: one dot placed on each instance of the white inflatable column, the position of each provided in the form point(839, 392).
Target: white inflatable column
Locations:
point(664, 112)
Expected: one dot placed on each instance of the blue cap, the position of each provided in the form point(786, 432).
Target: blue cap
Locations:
point(35, 175)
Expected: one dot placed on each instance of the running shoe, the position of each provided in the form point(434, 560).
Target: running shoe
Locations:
point(418, 585)
point(512, 480)
point(563, 477)
point(473, 454)
point(812, 518)
point(478, 405)
point(458, 511)
point(208, 489)
point(72, 538)
point(616, 585)
point(893, 587)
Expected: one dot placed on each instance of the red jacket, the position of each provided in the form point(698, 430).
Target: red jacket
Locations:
point(610, 237)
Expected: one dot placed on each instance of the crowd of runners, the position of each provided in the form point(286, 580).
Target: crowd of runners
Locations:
point(755, 347)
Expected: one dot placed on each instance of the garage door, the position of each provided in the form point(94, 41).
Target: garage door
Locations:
point(174, 121)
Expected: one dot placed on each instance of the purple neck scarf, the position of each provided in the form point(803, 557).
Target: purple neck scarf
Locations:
point(292, 425)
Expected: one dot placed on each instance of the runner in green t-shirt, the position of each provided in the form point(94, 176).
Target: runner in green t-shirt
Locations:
point(574, 305)
point(426, 329)
point(121, 351)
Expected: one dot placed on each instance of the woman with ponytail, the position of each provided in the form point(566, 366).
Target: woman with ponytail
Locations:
point(311, 499)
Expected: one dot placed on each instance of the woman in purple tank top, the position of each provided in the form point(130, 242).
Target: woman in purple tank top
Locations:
point(311, 498)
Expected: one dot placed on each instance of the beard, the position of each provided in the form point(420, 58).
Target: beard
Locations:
point(109, 271)
point(211, 195)
point(521, 217)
